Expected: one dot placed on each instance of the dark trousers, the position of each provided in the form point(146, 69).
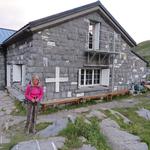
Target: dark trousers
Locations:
point(32, 110)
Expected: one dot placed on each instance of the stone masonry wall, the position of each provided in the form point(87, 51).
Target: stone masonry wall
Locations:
point(128, 68)
point(19, 54)
point(2, 70)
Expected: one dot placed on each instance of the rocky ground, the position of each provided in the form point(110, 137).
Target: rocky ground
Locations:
point(48, 138)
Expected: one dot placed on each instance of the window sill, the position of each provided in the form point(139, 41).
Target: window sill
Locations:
point(92, 88)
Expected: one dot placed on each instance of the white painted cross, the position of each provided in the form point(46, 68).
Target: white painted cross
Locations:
point(57, 79)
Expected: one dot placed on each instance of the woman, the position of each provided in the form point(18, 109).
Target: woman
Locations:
point(33, 94)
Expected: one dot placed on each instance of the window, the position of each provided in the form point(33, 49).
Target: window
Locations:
point(97, 76)
point(82, 77)
point(94, 34)
point(89, 76)
point(91, 31)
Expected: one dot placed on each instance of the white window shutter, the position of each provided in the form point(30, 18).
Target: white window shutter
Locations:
point(8, 76)
point(79, 77)
point(16, 73)
point(96, 36)
point(105, 77)
point(23, 74)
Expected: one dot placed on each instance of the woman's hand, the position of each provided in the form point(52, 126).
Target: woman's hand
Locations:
point(33, 100)
point(36, 99)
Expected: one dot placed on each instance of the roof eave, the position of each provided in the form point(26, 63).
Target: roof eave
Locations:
point(63, 19)
point(140, 57)
point(16, 34)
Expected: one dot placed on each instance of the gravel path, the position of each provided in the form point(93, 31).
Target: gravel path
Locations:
point(101, 106)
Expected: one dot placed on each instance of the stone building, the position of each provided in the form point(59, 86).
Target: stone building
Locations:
point(83, 51)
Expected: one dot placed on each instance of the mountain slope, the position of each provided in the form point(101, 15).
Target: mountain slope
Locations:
point(143, 49)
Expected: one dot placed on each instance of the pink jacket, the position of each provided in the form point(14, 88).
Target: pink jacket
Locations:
point(33, 92)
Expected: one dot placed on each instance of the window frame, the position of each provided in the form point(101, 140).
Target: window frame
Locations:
point(96, 26)
point(89, 85)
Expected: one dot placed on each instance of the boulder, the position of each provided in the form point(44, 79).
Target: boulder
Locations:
point(71, 118)
point(97, 114)
point(54, 129)
point(87, 147)
point(120, 140)
point(144, 113)
point(119, 115)
point(53, 143)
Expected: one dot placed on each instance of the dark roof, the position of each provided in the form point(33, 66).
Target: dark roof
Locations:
point(5, 33)
point(63, 14)
point(96, 6)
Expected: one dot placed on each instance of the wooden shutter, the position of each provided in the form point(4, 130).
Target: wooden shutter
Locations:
point(16, 73)
point(96, 36)
point(105, 77)
point(8, 76)
point(23, 74)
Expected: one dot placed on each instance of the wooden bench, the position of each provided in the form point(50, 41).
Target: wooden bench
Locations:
point(147, 86)
point(118, 93)
point(77, 100)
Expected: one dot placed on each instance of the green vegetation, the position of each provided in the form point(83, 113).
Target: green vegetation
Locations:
point(139, 125)
point(18, 137)
point(20, 108)
point(143, 46)
point(143, 49)
point(17, 134)
point(90, 131)
point(42, 125)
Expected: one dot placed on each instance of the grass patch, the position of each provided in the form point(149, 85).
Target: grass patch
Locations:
point(82, 129)
point(20, 108)
point(18, 137)
point(17, 134)
point(42, 125)
point(121, 97)
point(139, 125)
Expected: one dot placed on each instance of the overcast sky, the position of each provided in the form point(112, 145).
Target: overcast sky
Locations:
point(133, 15)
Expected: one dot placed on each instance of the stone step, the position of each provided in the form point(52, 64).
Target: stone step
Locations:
point(16, 94)
point(3, 94)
